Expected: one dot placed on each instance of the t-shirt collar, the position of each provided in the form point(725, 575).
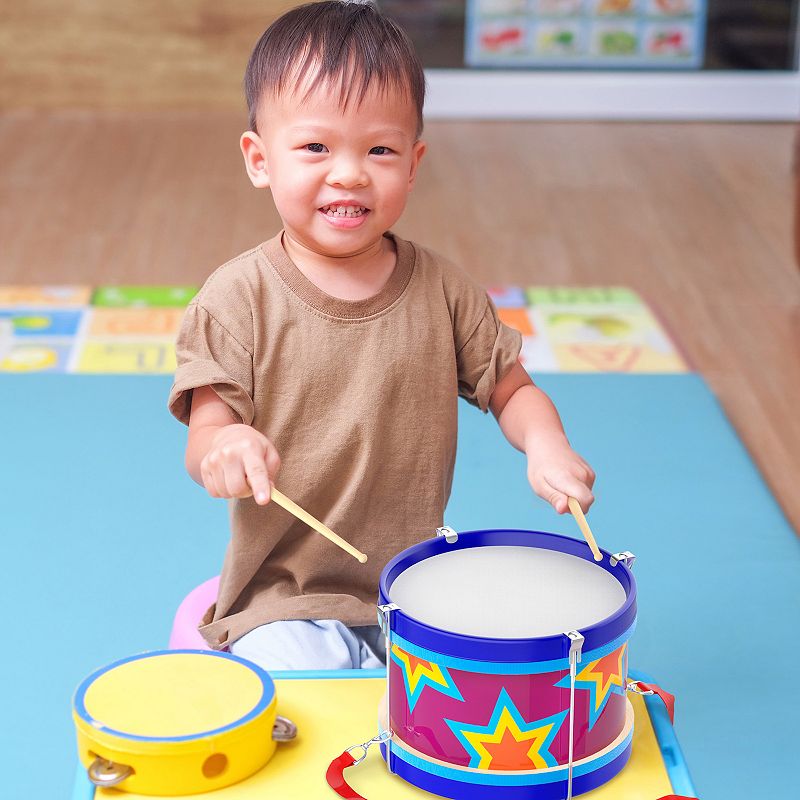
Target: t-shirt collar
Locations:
point(311, 294)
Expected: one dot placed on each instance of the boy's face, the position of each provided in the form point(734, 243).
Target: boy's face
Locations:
point(340, 177)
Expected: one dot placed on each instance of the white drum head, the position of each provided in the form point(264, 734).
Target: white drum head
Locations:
point(507, 592)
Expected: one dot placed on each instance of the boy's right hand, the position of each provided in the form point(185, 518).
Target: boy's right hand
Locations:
point(239, 463)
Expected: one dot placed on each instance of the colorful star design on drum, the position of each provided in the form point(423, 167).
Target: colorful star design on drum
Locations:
point(419, 673)
point(603, 677)
point(509, 742)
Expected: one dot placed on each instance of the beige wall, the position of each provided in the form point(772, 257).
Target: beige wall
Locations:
point(128, 54)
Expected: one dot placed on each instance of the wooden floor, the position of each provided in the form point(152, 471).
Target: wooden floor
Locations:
point(697, 217)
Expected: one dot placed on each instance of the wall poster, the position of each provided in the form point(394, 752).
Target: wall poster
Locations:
point(615, 34)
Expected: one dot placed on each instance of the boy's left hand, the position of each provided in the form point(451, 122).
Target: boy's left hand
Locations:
point(556, 471)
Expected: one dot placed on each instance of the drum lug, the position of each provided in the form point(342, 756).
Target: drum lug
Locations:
point(450, 536)
point(625, 557)
point(103, 772)
point(576, 641)
point(383, 616)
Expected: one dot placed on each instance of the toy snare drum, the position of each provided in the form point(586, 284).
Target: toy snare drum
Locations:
point(176, 722)
point(508, 665)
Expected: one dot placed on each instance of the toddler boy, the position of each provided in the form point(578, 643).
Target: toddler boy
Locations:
point(343, 348)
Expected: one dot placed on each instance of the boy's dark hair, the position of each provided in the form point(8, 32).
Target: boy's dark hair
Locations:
point(349, 42)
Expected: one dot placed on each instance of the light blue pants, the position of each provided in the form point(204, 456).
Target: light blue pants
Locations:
point(313, 644)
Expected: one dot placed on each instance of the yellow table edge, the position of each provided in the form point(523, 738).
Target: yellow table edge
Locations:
point(325, 728)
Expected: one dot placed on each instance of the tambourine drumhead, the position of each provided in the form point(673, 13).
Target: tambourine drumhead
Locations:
point(507, 592)
point(175, 695)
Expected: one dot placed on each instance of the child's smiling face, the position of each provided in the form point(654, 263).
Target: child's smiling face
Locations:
point(340, 175)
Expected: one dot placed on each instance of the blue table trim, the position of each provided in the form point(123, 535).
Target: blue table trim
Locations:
point(671, 753)
point(328, 674)
point(82, 788)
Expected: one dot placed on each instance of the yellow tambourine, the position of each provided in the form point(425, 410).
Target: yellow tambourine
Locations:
point(175, 722)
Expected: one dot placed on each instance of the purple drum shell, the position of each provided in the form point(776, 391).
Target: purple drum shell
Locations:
point(505, 707)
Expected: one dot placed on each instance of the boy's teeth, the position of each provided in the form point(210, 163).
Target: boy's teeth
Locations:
point(344, 211)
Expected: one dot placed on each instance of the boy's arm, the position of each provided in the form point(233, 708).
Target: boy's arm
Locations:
point(530, 422)
point(227, 458)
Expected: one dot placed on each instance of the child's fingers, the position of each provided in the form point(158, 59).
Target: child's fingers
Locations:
point(565, 485)
point(555, 497)
point(580, 491)
point(209, 481)
point(587, 474)
point(582, 471)
point(273, 461)
point(255, 469)
point(548, 492)
point(234, 478)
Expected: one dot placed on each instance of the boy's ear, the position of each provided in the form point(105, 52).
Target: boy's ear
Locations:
point(416, 156)
point(255, 159)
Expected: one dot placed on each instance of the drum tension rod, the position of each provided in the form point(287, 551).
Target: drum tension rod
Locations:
point(576, 641)
point(384, 613)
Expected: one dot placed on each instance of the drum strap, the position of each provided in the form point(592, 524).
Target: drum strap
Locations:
point(335, 777)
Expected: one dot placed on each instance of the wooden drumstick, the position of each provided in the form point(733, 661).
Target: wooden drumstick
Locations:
point(303, 515)
point(577, 512)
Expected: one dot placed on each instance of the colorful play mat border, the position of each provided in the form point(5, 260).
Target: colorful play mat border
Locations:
point(132, 329)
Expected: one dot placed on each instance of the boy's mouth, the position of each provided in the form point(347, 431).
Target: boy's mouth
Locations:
point(344, 211)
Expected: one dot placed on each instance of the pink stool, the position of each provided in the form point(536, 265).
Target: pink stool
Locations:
point(185, 635)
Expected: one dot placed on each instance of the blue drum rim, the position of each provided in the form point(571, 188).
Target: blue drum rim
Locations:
point(543, 648)
point(267, 696)
point(445, 786)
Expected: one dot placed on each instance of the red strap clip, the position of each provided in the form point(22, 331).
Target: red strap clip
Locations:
point(335, 774)
point(651, 688)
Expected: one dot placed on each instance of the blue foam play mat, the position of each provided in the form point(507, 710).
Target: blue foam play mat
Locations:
point(104, 534)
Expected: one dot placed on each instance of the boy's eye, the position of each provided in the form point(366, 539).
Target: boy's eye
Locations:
point(380, 151)
point(315, 147)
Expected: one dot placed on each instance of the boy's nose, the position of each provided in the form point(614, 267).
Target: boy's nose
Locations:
point(347, 173)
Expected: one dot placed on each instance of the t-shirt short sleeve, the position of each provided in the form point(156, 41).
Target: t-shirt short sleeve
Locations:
point(208, 354)
point(486, 354)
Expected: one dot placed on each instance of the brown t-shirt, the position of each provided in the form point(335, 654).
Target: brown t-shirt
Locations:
point(360, 400)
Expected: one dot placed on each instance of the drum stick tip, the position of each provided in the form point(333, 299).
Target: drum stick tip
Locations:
point(284, 502)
